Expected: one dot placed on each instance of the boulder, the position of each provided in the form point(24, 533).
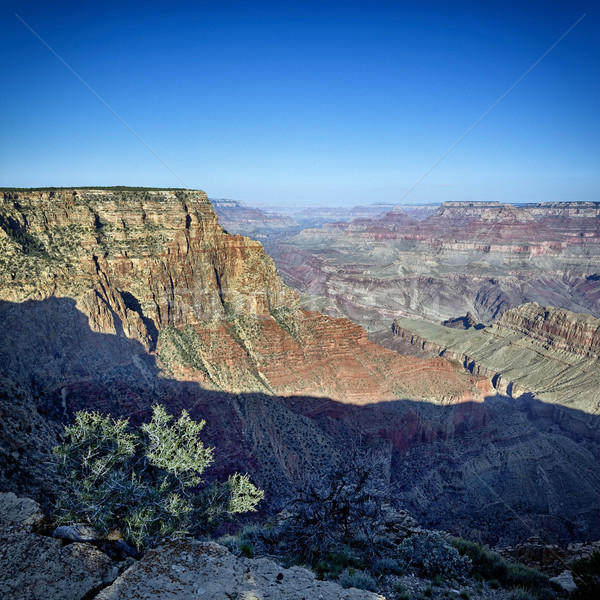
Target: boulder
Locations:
point(18, 514)
point(35, 567)
point(186, 569)
point(565, 580)
point(78, 532)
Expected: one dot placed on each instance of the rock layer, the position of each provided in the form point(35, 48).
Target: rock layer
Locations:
point(477, 257)
point(551, 353)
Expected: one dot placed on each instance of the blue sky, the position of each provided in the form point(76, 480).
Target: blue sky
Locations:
point(305, 102)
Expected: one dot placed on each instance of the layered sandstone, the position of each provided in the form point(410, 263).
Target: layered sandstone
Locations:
point(551, 353)
point(155, 266)
point(477, 257)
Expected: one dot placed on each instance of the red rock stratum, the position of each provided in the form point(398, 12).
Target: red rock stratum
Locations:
point(155, 266)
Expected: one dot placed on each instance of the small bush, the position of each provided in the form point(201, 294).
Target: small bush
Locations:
point(519, 575)
point(486, 564)
point(230, 542)
point(464, 594)
point(386, 566)
point(586, 573)
point(357, 579)
point(428, 554)
point(342, 508)
point(403, 593)
point(138, 482)
point(520, 593)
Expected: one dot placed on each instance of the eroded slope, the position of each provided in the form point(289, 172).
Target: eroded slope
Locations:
point(551, 353)
point(477, 257)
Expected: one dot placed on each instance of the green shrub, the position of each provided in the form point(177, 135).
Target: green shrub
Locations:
point(487, 564)
point(520, 593)
point(402, 591)
point(357, 579)
point(138, 481)
point(519, 575)
point(386, 566)
point(586, 573)
point(428, 554)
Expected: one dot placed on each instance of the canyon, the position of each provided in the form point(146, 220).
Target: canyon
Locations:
point(549, 352)
point(115, 300)
point(477, 257)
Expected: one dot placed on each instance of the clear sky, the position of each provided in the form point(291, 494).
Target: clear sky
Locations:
point(305, 102)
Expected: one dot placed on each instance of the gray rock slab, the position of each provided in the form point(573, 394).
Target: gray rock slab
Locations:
point(188, 569)
point(565, 580)
point(35, 567)
point(18, 513)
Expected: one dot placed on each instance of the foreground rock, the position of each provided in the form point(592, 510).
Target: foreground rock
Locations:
point(36, 567)
point(18, 514)
point(187, 569)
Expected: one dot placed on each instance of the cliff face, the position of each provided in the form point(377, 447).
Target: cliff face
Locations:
point(149, 259)
point(555, 329)
point(155, 266)
point(549, 352)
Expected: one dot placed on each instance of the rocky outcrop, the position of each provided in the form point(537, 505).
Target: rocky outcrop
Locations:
point(465, 322)
point(36, 567)
point(549, 558)
point(555, 329)
point(550, 353)
point(189, 569)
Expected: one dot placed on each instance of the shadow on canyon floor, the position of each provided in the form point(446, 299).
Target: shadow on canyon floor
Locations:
point(500, 471)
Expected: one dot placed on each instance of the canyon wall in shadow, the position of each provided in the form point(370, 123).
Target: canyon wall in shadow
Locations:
point(499, 470)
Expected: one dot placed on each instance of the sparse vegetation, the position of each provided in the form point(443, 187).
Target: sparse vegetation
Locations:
point(138, 481)
point(357, 579)
point(428, 554)
point(500, 572)
point(586, 573)
point(521, 593)
point(19, 234)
